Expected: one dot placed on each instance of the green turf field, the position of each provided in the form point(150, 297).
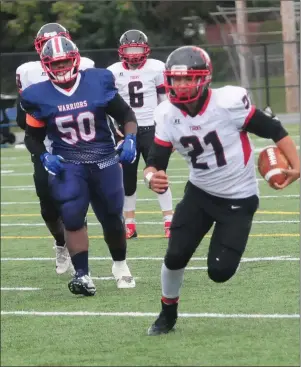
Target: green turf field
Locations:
point(251, 320)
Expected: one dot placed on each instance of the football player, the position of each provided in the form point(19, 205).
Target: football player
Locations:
point(140, 82)
point(72, 108)
point(30, 73)
point(209, 128)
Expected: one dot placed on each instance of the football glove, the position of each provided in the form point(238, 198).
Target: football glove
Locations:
point(52, 163)
point(127, 149)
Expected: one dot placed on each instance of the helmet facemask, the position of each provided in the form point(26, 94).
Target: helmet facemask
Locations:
point(134, 54)
point(62, 69)
point(185, 86)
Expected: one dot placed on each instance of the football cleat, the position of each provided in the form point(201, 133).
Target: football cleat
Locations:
point(123, 276)
point(167, 229)
point(166, 320)
point(63, 261)
point(130, 230)
point(82, 284)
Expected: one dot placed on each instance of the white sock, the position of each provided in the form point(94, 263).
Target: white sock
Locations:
point(121, 266)
point(171, 282)
point(129, 203)
point(165, 200)
point(167, 218)
point(130, 221)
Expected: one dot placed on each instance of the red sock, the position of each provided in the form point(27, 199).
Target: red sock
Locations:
point(169, 301)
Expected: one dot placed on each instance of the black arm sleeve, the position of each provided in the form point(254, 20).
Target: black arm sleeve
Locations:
point(21, 115)
point(266, 127)
point(120, 110)
point(158, 157)
point(34, 140)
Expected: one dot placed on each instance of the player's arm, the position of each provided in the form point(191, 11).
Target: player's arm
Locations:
point(123, 114)
point(159, 80)
point(157, 161)
point(155, 171)
point(35, 134)
point(267, 127)
point(21, 114)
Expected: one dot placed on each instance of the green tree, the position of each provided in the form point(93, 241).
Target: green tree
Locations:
point(25, 18)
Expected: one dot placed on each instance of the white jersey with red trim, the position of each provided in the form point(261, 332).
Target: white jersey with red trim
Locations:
point(217, 149)
point(139, 87)
point(32, 72)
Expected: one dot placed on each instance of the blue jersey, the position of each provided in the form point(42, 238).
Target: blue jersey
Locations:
point(76, 121)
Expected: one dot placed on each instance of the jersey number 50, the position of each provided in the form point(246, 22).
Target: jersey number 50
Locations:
point(83, 130)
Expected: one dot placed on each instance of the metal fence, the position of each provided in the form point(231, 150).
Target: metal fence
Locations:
point(265, 68)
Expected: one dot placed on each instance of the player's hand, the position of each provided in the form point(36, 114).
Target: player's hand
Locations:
point(52, 163)
point(159, 182)
point(127, 149)
point(291, 176)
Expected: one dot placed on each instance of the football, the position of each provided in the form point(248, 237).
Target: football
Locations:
point(270, 162)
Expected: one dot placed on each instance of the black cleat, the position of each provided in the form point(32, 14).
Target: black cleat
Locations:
point(166, 320)
point(82, 284)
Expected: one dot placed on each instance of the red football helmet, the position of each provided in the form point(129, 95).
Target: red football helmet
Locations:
point(134, 48)
point(192, 65)
point(60, 59)
point(48, 31)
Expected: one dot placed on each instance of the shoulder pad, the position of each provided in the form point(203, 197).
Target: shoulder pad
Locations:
point(86, 63)
point(230, 96)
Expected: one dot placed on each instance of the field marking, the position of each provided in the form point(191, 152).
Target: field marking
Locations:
point(94, 224)
point(97, 258)
point(153, 212)
point(151, 199)
point(148, 236)
point(20, 289)
point(139, 182)
point(152, 314)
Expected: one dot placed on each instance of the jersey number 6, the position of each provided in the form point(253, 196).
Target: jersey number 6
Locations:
point(136, 99)
point(210, 138)
point(84, 129)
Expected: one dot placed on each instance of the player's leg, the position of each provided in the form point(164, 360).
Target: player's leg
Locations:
point(51, 216)
point(130, 188)
point(189, 225)
point(71, 191)
point(229, 238)
point(165, 199)
point(107, 200)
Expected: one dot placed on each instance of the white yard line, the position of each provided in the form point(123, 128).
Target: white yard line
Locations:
point(92, 224)
point(151, 199)
point(19, 289)
point(152, 314)
point(244, 259)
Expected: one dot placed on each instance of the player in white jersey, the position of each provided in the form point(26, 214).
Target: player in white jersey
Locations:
point(140, 82)
point(27, 74)
point(209, 128)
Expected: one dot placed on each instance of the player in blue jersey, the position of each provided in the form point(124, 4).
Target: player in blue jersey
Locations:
point(72, 109)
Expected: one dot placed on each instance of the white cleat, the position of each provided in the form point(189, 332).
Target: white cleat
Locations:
point(123, 275)
point(63, 261)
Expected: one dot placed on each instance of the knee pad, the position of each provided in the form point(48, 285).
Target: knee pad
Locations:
point(222, 265)
point(72, 216)
point(130, 186)
point(176, 258)
point(49, 209)
point(114, 230)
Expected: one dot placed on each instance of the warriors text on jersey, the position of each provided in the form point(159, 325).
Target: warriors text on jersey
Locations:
point(139, 87)
point(32, 72)
point(218, 151)
point(75, 120)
